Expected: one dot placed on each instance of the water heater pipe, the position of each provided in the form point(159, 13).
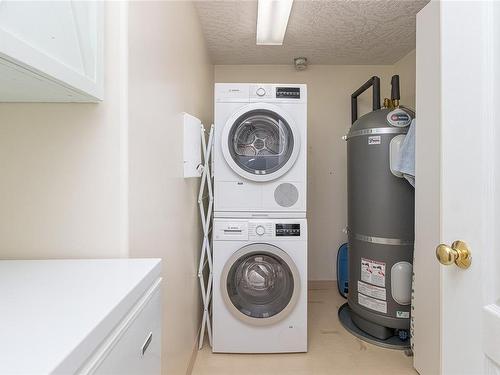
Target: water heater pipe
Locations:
point(395, 88)
point(372, 82)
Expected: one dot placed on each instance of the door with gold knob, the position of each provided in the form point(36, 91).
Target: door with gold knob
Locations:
point(458, 253)
point(456, 315)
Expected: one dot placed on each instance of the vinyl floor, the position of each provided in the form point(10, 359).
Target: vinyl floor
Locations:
point(332, 350)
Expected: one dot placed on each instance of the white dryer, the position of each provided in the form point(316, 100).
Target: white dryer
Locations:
point(259, 286)
point(260, 149)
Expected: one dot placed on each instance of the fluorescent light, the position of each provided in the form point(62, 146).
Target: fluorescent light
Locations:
point(272, 19)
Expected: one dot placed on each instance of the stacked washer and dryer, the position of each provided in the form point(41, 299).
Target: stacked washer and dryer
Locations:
point(260, 226)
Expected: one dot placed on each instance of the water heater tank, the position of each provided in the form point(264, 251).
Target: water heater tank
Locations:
point(380, 219)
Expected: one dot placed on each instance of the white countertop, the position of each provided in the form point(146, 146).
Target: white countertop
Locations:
point(53, 313)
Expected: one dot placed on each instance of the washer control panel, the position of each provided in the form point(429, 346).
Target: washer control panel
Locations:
point(261, 230)
point(230, 230)
point(268, 229)
point(258, 229)
point(287, 230)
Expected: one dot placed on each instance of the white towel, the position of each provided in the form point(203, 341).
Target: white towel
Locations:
point(406, 162)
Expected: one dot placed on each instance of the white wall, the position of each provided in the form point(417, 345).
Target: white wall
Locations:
point(169, 72)
point(60, 171)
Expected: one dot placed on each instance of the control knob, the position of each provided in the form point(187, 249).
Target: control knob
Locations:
point(261, 91)
point(260, 230)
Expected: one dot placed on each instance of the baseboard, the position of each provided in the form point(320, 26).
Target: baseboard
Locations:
point(321, 284)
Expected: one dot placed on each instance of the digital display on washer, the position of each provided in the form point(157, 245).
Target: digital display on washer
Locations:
point(288, 92)
point(287, 230)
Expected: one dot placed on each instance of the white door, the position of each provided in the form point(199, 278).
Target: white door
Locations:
point(457, 311)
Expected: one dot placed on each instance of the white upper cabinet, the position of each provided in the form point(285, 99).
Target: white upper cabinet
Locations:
point(51, 51)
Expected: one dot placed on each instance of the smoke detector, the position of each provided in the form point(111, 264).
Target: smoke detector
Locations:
point(300, 63)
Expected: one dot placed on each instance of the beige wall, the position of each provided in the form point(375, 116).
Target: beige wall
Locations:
point(74, 186)
point(329, 90)
point(406, 69)
point(169, 72)
point(61, 170)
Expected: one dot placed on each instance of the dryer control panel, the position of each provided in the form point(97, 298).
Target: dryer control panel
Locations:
point(277, 92)
point(288, 92)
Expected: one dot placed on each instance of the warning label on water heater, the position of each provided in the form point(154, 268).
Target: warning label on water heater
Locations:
point(373, 272)
point(372, 290)
point(372, 303)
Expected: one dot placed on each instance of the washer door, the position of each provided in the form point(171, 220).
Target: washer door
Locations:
point(260, 142)
point(260, 284)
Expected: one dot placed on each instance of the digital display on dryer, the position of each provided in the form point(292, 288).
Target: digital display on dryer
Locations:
point(287, 230)
point(288, 92)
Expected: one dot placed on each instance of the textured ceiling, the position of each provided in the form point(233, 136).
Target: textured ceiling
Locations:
point(326, 32)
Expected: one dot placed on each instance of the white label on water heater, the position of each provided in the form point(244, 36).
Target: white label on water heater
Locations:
point(372, 303)
point(372, 290)
point(373, 272)
point(374, 140)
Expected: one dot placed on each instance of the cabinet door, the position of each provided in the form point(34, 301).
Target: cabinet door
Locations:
point(55, 42)
point(134, 345)
point(138, 352)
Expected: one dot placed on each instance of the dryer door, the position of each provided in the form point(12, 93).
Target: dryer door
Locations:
point(260, 142)
point(260, 284)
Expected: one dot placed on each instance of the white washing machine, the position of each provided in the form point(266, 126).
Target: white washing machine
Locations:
point(260, 150)
point(259, 286)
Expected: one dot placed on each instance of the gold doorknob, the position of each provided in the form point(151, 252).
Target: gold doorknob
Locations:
point(458, 253)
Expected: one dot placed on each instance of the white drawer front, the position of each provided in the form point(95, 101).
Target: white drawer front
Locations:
point(135, 347)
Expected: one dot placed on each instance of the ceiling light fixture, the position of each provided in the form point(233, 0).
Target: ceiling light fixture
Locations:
point(272, 20)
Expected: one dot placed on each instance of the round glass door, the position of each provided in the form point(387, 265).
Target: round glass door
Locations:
point(260, 142)
point(260, 283)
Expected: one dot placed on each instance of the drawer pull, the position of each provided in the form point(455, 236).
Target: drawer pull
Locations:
point(147, 342)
